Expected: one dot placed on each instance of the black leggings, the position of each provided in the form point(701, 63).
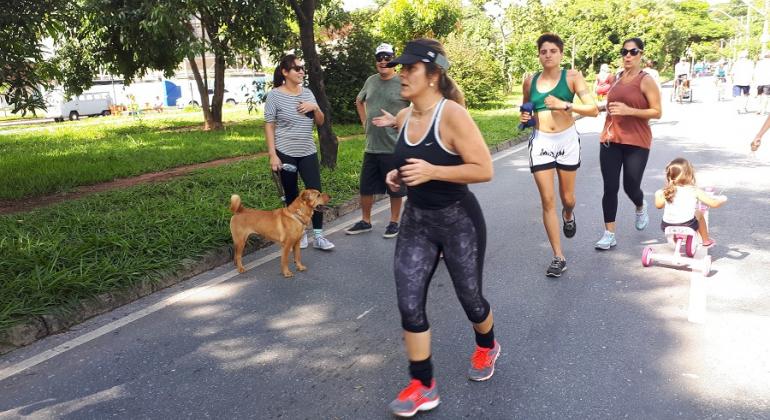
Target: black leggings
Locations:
point(632, 160)
point(460, 233)
point(310, 171)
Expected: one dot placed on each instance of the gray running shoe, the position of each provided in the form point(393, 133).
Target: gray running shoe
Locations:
point(607, 241)
point(642, 217)
point(322, 243)
point(415, 397)
point(570, 226)
point(303, 241)
point(391, 231)
point(557, 267)
point(359, 227)
point(483, 363)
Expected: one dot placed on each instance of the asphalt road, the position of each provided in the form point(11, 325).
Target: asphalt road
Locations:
point(609, 340)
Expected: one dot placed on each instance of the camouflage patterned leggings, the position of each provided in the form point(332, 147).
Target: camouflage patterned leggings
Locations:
point(460, 233)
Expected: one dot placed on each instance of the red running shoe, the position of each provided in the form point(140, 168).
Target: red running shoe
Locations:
point(483, 363)
point(415, 397)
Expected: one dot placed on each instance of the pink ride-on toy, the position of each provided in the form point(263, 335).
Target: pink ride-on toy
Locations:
point(679, 236)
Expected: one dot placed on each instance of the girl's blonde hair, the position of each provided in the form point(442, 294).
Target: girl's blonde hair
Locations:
point(679, 172)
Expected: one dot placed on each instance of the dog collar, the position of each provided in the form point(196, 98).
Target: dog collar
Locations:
point(298, 217)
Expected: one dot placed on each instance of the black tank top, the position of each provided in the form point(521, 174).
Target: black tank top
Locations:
point(431, 195)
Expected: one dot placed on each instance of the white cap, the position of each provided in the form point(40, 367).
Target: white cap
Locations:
point(384, 48)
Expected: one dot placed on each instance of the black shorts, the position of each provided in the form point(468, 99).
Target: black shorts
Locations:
point(692, 224)
point(739, 90)
point(763, 90)
point(373, 171)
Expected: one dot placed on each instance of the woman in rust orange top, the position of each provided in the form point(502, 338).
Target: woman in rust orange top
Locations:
point(626, 138)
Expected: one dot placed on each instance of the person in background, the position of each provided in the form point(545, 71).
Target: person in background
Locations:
point(762, 80)
point(291, 111)
point(381, 91)
point(604, 80)
point(158, 105)
point(742, 74)
point(649, 68)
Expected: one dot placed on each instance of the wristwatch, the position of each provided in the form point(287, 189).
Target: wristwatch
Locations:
point(568, 106)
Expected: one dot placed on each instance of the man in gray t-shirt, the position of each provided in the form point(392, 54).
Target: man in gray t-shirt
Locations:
point(381, 91)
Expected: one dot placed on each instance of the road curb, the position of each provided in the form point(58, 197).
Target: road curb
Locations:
point(60, 319)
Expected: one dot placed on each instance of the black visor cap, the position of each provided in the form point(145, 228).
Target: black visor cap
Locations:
point(415, 52)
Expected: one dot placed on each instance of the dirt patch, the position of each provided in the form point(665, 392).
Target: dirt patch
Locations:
point(31, 203)
point(27, 204)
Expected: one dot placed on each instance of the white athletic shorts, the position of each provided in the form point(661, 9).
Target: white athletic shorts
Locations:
point(555, 150)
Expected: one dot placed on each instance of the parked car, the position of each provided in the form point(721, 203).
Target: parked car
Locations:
point(86, 104)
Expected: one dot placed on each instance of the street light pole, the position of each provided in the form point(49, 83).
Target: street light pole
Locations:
point(764, 38)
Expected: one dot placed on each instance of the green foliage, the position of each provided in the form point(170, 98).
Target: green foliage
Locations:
point(24, 69)
point(474, 69)
point(347, 64)
point(592, 31)
point(400, 21)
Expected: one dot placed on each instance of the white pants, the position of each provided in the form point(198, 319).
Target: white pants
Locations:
point(555, 150)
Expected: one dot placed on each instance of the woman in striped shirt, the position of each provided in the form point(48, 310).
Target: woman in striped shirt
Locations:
point(290, 112)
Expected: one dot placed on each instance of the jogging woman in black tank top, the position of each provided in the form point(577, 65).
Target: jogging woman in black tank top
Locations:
point(439, 151)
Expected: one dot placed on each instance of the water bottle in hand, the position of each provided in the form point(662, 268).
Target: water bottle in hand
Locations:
point(528, 107)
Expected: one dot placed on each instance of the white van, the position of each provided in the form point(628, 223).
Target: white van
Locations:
point(195, 98)
point(97, 103)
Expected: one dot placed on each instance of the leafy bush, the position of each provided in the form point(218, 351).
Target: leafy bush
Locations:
point(347, 64)
point(474, 69)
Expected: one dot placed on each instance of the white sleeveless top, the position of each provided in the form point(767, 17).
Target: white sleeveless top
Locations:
point(682, 209)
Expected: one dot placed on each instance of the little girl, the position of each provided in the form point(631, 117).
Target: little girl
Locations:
point(680, 197)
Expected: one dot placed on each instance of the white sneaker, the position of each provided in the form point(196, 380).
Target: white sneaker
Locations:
point(642, 217)
point(303, 241)
point(322, 243)
point(607, 241)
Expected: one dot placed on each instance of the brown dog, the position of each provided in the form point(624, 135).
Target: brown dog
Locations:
point(284, 226)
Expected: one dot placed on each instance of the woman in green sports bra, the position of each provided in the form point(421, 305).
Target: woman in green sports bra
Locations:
point(554, 148)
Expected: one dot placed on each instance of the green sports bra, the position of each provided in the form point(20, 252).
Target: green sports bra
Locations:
point(561, 91)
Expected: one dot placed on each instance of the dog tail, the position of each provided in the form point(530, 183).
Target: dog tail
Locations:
point(235, 204)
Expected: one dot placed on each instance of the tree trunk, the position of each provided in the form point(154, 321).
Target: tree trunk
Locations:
point(207, 117)
point(219, 92)
point(328, 140)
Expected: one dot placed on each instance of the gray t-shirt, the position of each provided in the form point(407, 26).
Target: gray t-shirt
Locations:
point(381, 94)
point(293, 131)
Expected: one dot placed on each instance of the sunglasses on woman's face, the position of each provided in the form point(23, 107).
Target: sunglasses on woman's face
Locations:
point(633, 51)
point(297, 68)
point(383, 57)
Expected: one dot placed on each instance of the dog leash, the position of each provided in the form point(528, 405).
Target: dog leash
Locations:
point(277, 181)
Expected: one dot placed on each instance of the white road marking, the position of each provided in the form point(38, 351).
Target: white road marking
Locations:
point(112, 326)
point(365, 312)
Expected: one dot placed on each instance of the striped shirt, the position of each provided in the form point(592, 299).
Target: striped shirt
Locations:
point(293, 131)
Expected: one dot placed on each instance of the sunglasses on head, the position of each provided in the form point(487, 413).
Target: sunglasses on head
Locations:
point(297, 68)
point(633, 51)
point(383, 57)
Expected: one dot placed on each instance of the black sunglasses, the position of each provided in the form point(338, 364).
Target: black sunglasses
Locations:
point(634, 52)
point(297, 68)
point(383, 57)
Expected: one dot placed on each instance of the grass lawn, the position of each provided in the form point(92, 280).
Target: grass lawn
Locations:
point(54, 256)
